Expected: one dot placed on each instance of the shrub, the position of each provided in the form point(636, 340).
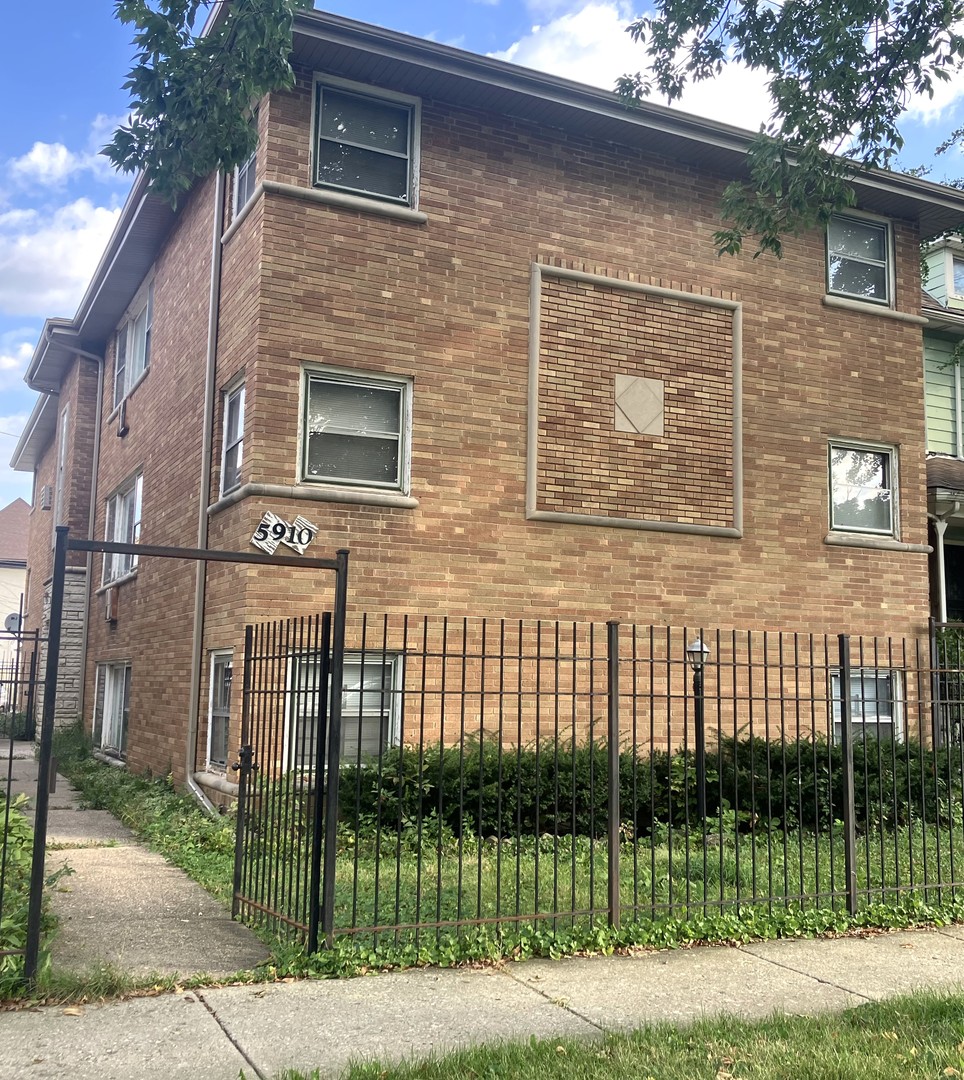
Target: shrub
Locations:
point(483, 789)
point(18, 846)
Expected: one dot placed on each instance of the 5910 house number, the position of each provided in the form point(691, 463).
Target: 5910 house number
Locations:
point(273, 530)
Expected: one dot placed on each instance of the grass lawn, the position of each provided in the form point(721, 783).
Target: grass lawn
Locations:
point(902, 1039)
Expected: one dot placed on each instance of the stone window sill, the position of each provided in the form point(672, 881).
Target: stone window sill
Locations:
point(326, 493)
point(874, 543)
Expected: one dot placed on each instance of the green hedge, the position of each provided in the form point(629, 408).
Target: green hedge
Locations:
point(15, 725)
point(483, 790)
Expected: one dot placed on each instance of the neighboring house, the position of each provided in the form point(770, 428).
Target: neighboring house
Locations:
point(943, 306)
point(14, 523)
point(467, 320)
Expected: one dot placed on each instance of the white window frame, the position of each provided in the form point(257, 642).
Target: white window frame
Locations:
point(954, 258)
point(222, 659)
point(390, 713)
point(111, 720)
point(232, 440)
point(122, 525)
point(864, 714)
point(398, 383)
point(245, 177)
point(132, 350)
point(61, 474)
point(890, 453)
point(887, 264)
point(381, 96)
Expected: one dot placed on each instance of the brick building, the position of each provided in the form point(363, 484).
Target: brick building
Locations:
point(467, 321)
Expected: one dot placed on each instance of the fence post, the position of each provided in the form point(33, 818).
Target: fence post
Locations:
point(612, 702)
point(334, 749)
point(937, 737)
point(243, 768)
point(45, 759)
point(849, 813)
point(318, 778)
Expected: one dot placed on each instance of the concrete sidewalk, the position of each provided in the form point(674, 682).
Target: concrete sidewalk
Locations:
point(214, 1034)
point(126, 907)
point(122, 905)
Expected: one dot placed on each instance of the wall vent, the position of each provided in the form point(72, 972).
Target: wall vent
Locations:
point(47, 497)
point(110, 605)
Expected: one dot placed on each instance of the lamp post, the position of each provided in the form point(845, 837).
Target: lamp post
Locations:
point(696, 653)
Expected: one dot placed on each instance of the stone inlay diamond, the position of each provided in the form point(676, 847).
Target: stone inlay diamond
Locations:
point(639, 405)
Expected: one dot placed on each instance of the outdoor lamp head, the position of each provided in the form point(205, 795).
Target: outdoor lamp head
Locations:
point(697, 653)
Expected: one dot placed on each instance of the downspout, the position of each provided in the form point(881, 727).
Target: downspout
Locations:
point(940, 527)
point(200, 573)
point(95, 469)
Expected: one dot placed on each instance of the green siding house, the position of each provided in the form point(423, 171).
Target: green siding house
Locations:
point(943, 307)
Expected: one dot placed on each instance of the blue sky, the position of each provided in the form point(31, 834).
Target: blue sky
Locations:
point(61, 68)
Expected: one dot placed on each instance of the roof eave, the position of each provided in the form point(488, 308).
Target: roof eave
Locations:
point(37, 433)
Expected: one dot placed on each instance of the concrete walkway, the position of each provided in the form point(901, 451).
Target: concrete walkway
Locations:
point(124, 908)
point(122, 905)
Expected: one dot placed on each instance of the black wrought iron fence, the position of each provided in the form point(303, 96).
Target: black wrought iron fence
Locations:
point(18, 684)
point(496, 773)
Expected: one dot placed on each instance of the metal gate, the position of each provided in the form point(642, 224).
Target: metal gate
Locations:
point(19, 654)
point(64, 544)
point(288, 776)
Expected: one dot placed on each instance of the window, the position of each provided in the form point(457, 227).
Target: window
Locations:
point(874, 704)
point(133, 352)
point(957, 276)
point(356, 430)
point(244, 175)
point(364, 144)
point(863, 489)
point(61, 477)
point(370, 709)
point(858, 258)
point(123, 527)
point(233, 424)
point(112, 708)
point(219, 711)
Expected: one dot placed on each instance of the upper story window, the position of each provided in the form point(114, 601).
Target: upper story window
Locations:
point(123, 527)
point(356, 429)
point(244, 176)
point(957, 275)
point(863, 489)
point(60, 480)
point(132, 355)
point(233, 439)
point(859, 259)
point(365, 143)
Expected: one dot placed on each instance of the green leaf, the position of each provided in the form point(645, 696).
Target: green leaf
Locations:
point(192, 97)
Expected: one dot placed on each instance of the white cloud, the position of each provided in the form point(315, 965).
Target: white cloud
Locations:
point(47, 258)
point(589, 44)
point(13, 485)
point(16, 348)
point(11, 427)
point(935, 110)
point(45, 163)
point(52, 164)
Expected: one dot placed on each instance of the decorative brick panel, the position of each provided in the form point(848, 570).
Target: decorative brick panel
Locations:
point(590, 337)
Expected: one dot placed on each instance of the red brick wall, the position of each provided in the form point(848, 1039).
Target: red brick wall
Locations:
point(164, 419)
point(446, 303)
